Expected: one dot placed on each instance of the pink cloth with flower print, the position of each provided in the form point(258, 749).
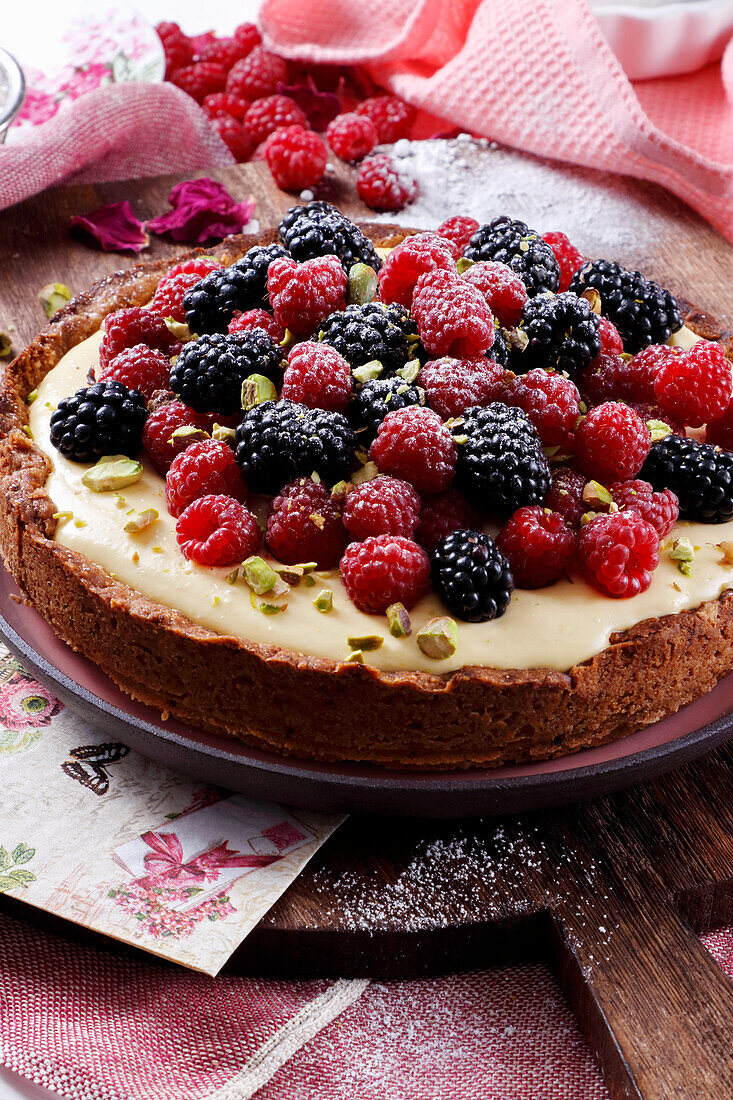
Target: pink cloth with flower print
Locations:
point(539, 77)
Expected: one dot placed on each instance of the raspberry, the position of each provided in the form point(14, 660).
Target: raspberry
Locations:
point(203, 469)
point(351, 136)
point(662, 510)
point(551, 402)
point(617, 554)
point(720, 431)
point(177, 47)
point(382, 185)
point(247, 37)
point(127, 327)
point(296, 157)
point(159, 429)
point(222, 51)
point(392, 117)
point(408, 261)
point(566, 495)
point(452, 316)
point(199, 265)
point(256, 75)
point(222, 103)
point(234, 136)
point(612, 442)
point(217, 530)
point(103, 419)
point(611, 377)
point(539, 546)
point(567, 256)
point(385, 569)
point(139, 368)
point(200, 79)
point(458, 230)
point(303, 295)
point(257, 318)
point(414, 444)
point(443, 513)
point(610, 336)
point(304, 524)
point(317, 376)
point(168, 298)
point(472, 577)
point(454, 385)
point(502, 288)
point(272, 113)
point(382, 506)
point(697, 385)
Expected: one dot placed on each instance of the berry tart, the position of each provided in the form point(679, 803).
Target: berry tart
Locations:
point(346, 492)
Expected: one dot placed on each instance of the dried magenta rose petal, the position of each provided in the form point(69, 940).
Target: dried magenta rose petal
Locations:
point(319, 108)
point(115, 227)
point(201, 210)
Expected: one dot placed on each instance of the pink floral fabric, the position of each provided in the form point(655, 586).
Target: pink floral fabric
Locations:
point(538, 77)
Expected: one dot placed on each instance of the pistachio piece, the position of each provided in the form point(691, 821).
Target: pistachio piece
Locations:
point(32, 396)
point(516, 338)
point(683, 552)
point(293, 574)
point(438, 639)
point(260, 577)
point(179, 329)
point(223, 435)
point(658, 430)
point(52, 297)
point(463, 264)
point(231, 578)
point(112, 472)
point(342, 488)
point(597, 496)
point(400, 623)
point(726, 549)
point(365, 642)
point(255, 390)
point(323, 602)
point(62, 515)
point(80, 523)
point(362, 287)
point(368, 371)
point(356, 657)
point(187, 433)
point(367, 473)
point(142, 520)
point(593, 298)
point(410, 371)
point(6, 346)
point(267, 608)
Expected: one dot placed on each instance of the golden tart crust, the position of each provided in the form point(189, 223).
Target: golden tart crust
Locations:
point(291, 703)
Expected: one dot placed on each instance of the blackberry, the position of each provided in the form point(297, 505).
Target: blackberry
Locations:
point(211, 303)
point(563, 334)
point(522, 249)
point(279, 441)
point(499, 351)
point(362, 333)
point(471, 577)
point(375, 399)
point(319, 229)
point(643, 312)
point(700, 475)
point(208, 374)
point(501, 464)
point(103, 419)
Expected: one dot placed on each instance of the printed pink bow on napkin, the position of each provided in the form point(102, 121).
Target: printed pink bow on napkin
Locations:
point(537, 76)
point(166, 860)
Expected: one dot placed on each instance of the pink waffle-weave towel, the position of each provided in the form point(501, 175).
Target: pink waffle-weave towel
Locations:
point(119, 131)
point(539, 77)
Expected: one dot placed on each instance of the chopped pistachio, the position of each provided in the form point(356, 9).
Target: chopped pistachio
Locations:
point(460, 439)
point(356, 657)
point(31, 396)
point(53, 296)
point(112, 472)
point(187, 433)
point(438, 639)
point(255, 390)
point(362, 287)
point(179, 329)
point(287, 340)
point(142, 521)
point(463, 264)
point(260, 577)
point(398, 617)
point(658, 430)
point(6, 345)
point(293, 574)
point(316, 477)
point(120, 501)
point(597, 496)
point(62, 515)
point(593, 298)
point(365, 642)
point(516, 338)
point(368, 371)
point(157, 549)
point(367, 473)
point(223, 434)
point(323, 602)
point(28, 431)
point(80, 523)
point(361, 456)
point(318, 520)
point(309, 582)
point(341, 488)
point(683, 552)
point(230, 578)
point(726, 549)
point(267, 608)
point(410, 371)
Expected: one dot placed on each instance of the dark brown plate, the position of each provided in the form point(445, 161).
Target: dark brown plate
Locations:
point(357, 787)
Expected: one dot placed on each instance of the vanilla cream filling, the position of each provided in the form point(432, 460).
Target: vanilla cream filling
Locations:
point(554, 627)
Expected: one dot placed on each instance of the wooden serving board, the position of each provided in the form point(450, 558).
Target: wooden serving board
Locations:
point(614, 892)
